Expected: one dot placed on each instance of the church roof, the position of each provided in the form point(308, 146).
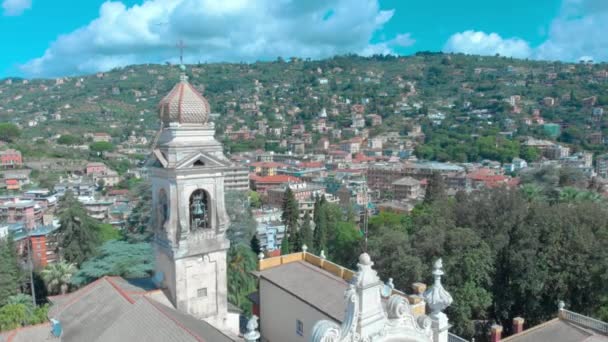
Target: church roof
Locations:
point(558, 330)
point(184, 105)
point(116, 309)
point(311, 284)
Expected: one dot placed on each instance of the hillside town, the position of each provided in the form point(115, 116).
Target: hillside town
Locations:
point(303, 171)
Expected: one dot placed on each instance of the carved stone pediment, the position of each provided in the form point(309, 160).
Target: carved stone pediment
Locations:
point(201, 159)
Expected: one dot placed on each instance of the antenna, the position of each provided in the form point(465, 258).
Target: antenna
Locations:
point(180, 45)
point(366, 202)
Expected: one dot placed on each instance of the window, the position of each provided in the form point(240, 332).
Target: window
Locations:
point(299, 328)
point(202, 292)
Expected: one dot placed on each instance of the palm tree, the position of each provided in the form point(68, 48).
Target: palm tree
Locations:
point(532, 192)
point(569, 195)
point(57, 276)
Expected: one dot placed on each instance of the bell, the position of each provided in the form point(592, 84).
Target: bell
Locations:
point(198, 209)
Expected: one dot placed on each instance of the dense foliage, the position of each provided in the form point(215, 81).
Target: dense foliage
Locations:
point(78, 233)
point(117, 258)
point(10, 279)
point(20, 311)
point(505, 255)
point(241, 262)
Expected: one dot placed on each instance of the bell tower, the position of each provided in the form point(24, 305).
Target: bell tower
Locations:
point(189, 215)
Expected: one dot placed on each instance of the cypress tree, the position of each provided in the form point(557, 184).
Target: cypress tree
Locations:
point(306, 232)
point(290, 216)
point(255, 244)
point(435, 190)
point(320, 232)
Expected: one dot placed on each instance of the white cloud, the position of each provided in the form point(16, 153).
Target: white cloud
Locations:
point(15, 7)
point(573, 36)
point(481, 43)
point(578, 31)
point(227, 30)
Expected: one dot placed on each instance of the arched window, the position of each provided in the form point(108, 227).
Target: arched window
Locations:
point(200, 210)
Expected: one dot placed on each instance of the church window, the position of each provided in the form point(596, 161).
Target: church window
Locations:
point(299, 328)
point(201, 292)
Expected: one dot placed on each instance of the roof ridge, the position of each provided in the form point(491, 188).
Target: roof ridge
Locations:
point(120, 290)
point(77, 294)
point(198, 338)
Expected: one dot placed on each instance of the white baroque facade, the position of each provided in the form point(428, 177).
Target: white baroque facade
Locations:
point(367, 319)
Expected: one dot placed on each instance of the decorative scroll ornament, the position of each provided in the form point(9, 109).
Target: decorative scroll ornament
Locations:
point(395, 322)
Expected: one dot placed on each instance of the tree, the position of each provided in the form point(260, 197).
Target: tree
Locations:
point(138, 225)
point(435, 190)
point(101, 146)
point(9, 132)
point(20, 311)
point(255, 244)
point(10, 274)
point(241, 262)
point(117, 258)
point(242, 224)
point(290, 216)
point(67, 139)
point(306, 232)
point(320, 232)
point(57, 276)
point(254, 199)
point(285, 245)
point(529, 153)
point(78, 234)
point(107, 232)
point(345, 243)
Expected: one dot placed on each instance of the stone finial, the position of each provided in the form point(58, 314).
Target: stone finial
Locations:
point(322, 255)
point(261, 256)
point(365, 275)
point(388, 288)
point(437, 298)
point(561, 305)
point(252, 334)
point(304, 248)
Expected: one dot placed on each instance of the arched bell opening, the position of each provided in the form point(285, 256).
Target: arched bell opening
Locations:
point(200, 210)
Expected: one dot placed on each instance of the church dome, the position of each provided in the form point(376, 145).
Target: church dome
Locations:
point(184, 105)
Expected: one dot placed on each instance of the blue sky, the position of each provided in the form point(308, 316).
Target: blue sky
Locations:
point(43, 38)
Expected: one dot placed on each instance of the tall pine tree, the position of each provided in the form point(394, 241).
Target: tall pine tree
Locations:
point(435, 190)
point(290, 218)
point(78, 234)
point(320, 232)
point(306, 232)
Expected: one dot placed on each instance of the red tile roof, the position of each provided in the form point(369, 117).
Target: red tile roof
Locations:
point(275, 179)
